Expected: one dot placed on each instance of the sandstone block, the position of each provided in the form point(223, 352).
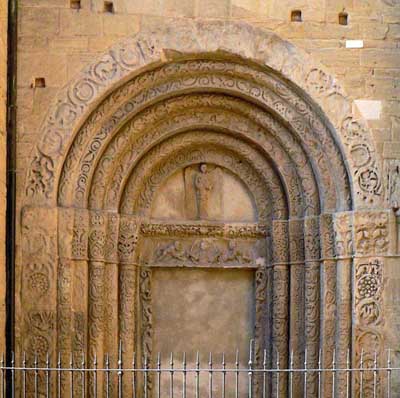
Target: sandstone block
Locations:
point(42, 22)
point(80, 23)
point(53, 67)
point(120, 25)
point(381, 58)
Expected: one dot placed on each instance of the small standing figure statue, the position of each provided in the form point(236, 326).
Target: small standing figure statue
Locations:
point(204, 185)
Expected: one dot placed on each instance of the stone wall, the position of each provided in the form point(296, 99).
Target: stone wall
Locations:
point(56, 41)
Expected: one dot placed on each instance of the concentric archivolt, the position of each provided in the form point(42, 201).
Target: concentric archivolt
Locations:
point(244, 101)
point(137, 78)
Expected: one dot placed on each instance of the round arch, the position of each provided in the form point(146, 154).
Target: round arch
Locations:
point(190, 93)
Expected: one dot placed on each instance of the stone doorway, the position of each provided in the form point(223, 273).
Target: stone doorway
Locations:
point(198, 159)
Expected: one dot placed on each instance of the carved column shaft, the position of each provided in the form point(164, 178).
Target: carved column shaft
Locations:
point(296, 346)
point(328, 298)
point(343, 225)
point(280, 303)
point(312, 300)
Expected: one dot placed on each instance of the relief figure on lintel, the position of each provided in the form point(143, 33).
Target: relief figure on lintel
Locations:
point(203, 192)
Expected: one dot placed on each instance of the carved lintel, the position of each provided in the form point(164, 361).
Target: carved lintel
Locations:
point(243, 231)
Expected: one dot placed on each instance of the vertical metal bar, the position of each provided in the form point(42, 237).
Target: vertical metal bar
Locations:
point(120, 370)
point(24, 375)
point(171, 376)
point(375, 373)
point(319, 373)
point(36, 376)
point(159, 375)
point(361, 373)
point(184, 376)
point(334, 373)
point(2, 377)
point(83, 375)
point(71, 372)
point(134, 376)
point(197, 375)
point(389, 375)
point(47, 376)
point(12, 374)
point(348, 374)
point(146, 366)
point(95, 375)
point(264, 395)
point(305, 374)
point(291, 375)
point(223, 375)
point(58, 375)
point(237, 374)
point(250, 372)
point(107, 376)
point(278, 374)
point(210, 376)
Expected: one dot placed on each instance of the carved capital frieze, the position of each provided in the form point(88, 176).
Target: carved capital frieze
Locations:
point(296, 240)
point(312, 239)
point(343, 232)
point(80, 235)
point(372, 233)
point(327, 236)
point(128, 237)
point(280, 241)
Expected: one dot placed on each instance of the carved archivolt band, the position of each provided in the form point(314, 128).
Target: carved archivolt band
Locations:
point(307, 128)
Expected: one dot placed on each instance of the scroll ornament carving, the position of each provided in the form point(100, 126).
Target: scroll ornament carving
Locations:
point(96, 306)
point(64, 314)
point(146, 309)
point(40, 326)
point(368, 294)
point(366, 171)
point(371, 233)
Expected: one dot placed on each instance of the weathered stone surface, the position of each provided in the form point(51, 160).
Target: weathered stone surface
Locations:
point(290, 155)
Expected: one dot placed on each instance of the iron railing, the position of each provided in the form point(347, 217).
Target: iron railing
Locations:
point(196, 376)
